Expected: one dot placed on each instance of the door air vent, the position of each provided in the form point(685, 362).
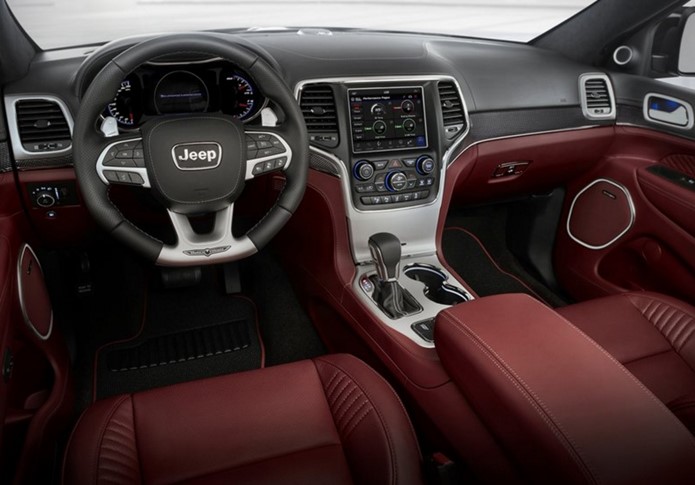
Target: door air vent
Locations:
point(317, 103)
point(42, 125)
point(453, 116)
point(598, 101)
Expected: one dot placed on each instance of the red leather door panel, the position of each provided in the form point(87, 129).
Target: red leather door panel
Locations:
point(658, 252)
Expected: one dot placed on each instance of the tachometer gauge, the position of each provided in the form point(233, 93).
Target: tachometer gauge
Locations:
point(126, 106)
point(239, 96)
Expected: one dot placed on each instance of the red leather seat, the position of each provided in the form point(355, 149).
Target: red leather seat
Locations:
point(653, 336)
point(328, 420)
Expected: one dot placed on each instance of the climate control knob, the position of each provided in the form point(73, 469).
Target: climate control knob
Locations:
point(363, 170)
point(396, 181)
point(425, 165)
point(45, 199)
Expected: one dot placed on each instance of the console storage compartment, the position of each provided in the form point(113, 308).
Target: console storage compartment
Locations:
point(565, 410)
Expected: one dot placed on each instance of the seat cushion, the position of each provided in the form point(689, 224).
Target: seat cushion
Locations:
point(328, 420)
point(653, 335)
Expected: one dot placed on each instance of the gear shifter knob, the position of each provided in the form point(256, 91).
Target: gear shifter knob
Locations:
point(386, 251)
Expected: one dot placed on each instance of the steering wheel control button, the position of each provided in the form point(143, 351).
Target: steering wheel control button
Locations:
point(125, 154)
point(258, 168)
point(121, 162)
point(110, 175)
point(136, 178)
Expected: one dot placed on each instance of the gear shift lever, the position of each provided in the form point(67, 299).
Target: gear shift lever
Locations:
point(388, 294)
point(386, 251)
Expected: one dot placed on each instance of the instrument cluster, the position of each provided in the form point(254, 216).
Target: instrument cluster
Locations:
point(161, 89)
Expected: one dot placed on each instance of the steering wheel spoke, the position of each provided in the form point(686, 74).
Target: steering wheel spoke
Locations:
point(122, 162)
point(266, 152)
point(194, 248)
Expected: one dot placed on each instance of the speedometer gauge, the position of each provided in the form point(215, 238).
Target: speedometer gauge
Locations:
point(239, 96)
point(126, 105)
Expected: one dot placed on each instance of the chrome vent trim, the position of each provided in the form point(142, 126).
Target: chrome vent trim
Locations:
point(21, 110)
point(597, 97)
point(317, 102)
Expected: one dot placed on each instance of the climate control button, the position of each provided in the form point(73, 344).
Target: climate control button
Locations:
point(363, 170)
point(424, 165)
point(396, 181)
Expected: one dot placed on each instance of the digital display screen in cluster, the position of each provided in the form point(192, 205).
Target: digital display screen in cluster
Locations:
point(387, 119)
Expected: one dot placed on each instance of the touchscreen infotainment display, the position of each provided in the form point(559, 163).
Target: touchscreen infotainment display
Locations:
point(385, 119)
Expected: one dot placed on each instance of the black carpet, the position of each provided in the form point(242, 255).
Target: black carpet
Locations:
point(187, 334)
point(288, 333)
point(468, 257)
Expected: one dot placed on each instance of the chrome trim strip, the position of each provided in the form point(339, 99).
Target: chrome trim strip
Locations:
point(22, 305)
point(629, 226)
point(12, 125)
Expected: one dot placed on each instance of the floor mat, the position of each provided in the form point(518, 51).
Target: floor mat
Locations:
point(466, 254)
point(186, 334)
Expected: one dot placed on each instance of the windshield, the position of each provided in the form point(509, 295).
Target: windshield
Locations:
point(62, 23)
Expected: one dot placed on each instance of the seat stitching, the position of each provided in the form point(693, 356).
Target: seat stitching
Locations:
point(634, 298)
point(680, 330)
point(342, 385)
point(686, 337)
point(340, 413)
point(358, 408)
point(536, 403)
point(114, 407)
point(649, 356)
point(365, 413)
point(392, 454)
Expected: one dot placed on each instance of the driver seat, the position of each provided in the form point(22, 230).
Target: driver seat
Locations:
point(327, 420)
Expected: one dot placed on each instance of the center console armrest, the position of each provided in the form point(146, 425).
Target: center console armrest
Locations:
point(566, 411)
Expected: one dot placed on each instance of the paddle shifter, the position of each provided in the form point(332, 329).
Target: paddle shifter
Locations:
point(388, 293)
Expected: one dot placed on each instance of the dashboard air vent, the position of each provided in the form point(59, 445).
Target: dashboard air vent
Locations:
point(453, 116)
point(598, 102)
point(42, 125)
point(318, 107)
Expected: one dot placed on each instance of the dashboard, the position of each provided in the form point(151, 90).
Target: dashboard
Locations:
point(177, 88)
point(386, 113)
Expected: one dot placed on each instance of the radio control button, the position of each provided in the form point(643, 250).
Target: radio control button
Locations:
point(363, 170)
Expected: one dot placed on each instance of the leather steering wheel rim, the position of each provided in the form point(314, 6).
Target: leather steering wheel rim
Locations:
point(88, 143)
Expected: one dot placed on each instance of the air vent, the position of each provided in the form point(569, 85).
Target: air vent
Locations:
point(42, 125)
point(453, 116)
point(318, 107)
point(598, 102)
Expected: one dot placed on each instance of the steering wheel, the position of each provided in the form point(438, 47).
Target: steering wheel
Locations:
point(194, 164)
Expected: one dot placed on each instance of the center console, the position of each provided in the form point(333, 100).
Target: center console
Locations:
point(393, 139)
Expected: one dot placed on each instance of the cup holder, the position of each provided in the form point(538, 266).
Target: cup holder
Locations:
point(436, 287)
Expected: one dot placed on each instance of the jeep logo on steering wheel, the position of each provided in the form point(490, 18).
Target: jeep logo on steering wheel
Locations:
point(197, 156)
